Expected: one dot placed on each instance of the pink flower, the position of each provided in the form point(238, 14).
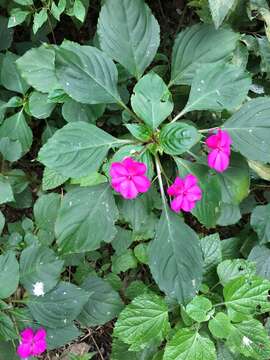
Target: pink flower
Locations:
point(220, 145)
point(128, 178)
point(186, 192)
point(32, 344)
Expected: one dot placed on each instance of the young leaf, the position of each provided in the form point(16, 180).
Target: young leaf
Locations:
point(177, 138)
point(250, 129)
point(9, 274)
point(260, 221)
point(199, 309)
point(39, 19)
point(220, 326)
point(198, 45)
point(139, 40)
point(152, 100)
point(175, 258)
point(81, 210)
point(37, 68)
point(142, 321)
point(59, 307)
point(77, 149)
point(86, 74)
point(39, 266)
point(219, 9)
point(104, 303)
point(188, 344)
point(17, 17)
point(217, 87)
point(246, 296)
point(16, 128)
point(79, 10)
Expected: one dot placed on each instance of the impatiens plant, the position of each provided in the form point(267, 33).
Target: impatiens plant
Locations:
point(134, 181)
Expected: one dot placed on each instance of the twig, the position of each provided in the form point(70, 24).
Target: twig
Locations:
point(96, 345)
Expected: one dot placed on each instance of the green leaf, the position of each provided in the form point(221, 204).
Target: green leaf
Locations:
point(6, 35)
point(122, 240)
point(220, 326)
point(57, 338)
point(2, 221)
point(9, 274)
point(120, 350)
point(77, 149)
point(260, 254)
point(37, 68)
point(175, 258)
point(152, 100)
point(141, 253)
point(81, 210)
point(246, 296)
point(39, 19)
point(16, 128)
point(223, 353)
point(6, 193)
point(94, 178)
point(73, 111)
point(39, 106)
point(188, 344)
point(51, 179)
point(17, 17)
point(10, 76)
point(104, 303)
point(139, 131)
point(198, 45)
point(124, 262)
point(177, 138)
point(24, 2)
point(39, 268)
point(207, 210)
point(219, 9)
point(139, 40)
point(235, 180)
point(135, 289)
point(59, 307)
point(79, 10)
point(218, 87)
point(7, 328)
point(199, 309)
point(10, 150)
point(250, 129)
point(86, 74)
point(231, 269)
point(212, 256)
point(142, 321)
point(260, 221)
point(250, 339)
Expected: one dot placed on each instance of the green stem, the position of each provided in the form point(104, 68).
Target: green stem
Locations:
point(163, 196)
point(131, 113)
point(178, 116)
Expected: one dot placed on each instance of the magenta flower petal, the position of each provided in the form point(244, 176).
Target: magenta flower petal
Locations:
point(187, 206)
point(190, 180)
point(225, 138)
point(40, 335)
point(24, 350)
point(128, 178)
point(39, 347)
point(142, 183)
point(128, 189)
point(27, 335)
point(218, 160)
point(176, 204)
point(212, 142)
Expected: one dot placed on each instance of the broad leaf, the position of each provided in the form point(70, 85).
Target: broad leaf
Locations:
point(220, 326)
point(246, 296)
point(188, 344)
point(217, 87)
point(219, 9)
point(9, 274)
point(250, 339)
point(51, 179)
point(124, 262)
point(86, 74)
point(59, 307)
point(260, 221)
point(10, 76)
point(228, 270)
point(6, 192)
point(73, 111)
point(39, 106)
point(129, 33)
point(212, 256)
point(80, 212)
point(11, 150)
point(260, 254)
point(77, 149)
point(57, 338)
point(250, 129)
point(152, 100)
point(39, 265)
point(37, 68)
point(142, 321)
point(39, 19)
point(104, 303)
point(178, 138)
point(175, 258)
point(198, 45)
point(6, 34)
point(16, 128)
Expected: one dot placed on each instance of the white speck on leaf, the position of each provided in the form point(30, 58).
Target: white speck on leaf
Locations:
point(38, 289)
point(246, 341)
